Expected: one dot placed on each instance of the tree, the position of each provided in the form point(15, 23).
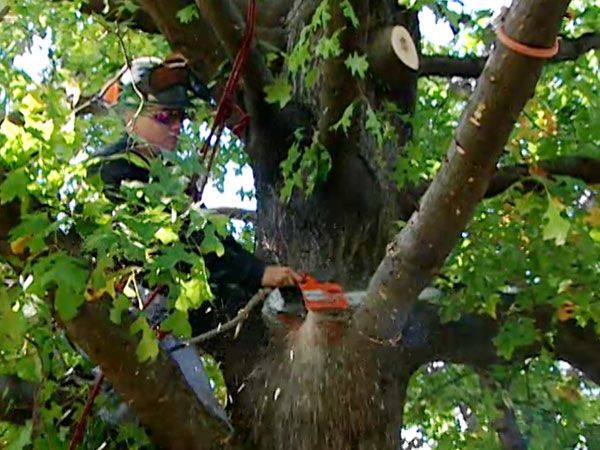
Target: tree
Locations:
point(368, 171)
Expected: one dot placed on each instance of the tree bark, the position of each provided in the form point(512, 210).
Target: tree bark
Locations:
point(156, 392)
point(341, 232)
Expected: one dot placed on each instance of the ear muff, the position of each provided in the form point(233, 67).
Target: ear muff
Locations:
point(164, 77)
point(167, 82)
point(111, 94)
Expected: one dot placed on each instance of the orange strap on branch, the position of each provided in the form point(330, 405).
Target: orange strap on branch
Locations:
point(526, 50)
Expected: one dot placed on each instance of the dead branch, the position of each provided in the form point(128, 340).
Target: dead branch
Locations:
point(236, 322)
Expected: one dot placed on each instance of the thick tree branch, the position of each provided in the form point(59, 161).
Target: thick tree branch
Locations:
point(227, 23)
point(506, 425)
point(471, 66)
point(339, 87)
point(418, 252)
point(393, 55)
point(451, 66)
point(571, 49)
point(271, 20)
point(112, 10)
point(157, 391)
point(583, 168)
point(470, 340)
point(195, 40)
point(236, 213)
point(508, 430)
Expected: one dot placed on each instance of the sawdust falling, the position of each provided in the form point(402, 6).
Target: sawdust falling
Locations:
point(317, 393)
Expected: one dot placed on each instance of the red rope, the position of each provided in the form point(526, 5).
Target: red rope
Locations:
point(226, 104)
point(79, 430)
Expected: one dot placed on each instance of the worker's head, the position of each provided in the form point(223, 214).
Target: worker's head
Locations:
point(156, 125)
point(153, 98)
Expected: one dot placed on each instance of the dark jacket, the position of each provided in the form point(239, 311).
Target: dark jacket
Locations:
point(232, 276)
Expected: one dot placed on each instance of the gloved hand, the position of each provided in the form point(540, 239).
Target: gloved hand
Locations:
point(278, 276)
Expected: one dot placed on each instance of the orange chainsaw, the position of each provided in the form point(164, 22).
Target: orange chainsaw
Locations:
point(309, 295)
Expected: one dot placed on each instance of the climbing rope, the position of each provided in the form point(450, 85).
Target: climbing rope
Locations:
point(226, 105)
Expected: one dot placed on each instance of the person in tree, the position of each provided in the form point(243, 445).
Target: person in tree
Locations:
point(166, 88)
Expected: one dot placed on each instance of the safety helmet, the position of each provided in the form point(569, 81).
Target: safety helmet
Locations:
point(169, 83)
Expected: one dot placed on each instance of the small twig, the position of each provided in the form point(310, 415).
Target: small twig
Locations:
point(236, 213)
point(133, 81)
point(390, 342)
point(233, 323)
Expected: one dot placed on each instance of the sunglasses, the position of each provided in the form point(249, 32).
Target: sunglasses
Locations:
point(169, 116)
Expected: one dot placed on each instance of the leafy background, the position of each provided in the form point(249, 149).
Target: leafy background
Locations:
point(544, 242)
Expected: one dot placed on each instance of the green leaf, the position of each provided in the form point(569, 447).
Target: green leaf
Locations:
point(311, 77)
point(491, 305)
point(357, 64)
point(280, 91)
point(557, 228)
point(329, 47)
point(211, 243)
point(178, 324)
point(220, 222)
point(13, 323)
point(34, 227)
point(188, 13)
point(174, 254)
point(515, 333)
point(192, 294)
point(321, 17)
point(346, 120)
point(298, 58)
point(18, 437)
point(349, 13)
point(67, 301)
point(14, 186)
point(69, 275)
point(374, 126)
point(147, 348)
point(166, 235)
point(525, 204)
point(120, 305)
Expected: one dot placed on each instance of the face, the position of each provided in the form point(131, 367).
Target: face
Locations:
point(158, 127)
